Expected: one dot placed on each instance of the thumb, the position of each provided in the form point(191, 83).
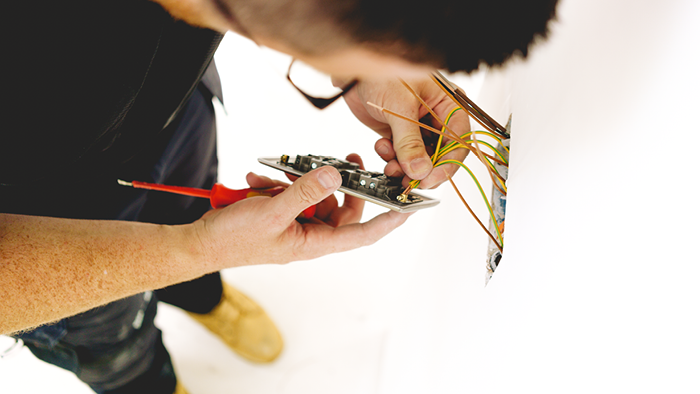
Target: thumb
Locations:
point(308, 190)
point(410, 149)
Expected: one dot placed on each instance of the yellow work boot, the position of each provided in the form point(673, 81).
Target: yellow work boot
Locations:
point(244, 326)
point(179, 389)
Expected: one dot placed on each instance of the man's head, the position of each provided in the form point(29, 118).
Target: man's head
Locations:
point(343, 37)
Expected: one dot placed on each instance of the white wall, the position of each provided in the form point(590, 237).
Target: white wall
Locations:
point(597, 290)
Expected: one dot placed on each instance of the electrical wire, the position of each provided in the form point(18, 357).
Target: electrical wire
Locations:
point(473, 109)
point(454, 145)
point(459, 139)
point(499, 140)
point(458, 96)
point(443, 152)
point(481, 190)
point(444, 124)
point(495, 131)
point(436, 155)
point(449, 178)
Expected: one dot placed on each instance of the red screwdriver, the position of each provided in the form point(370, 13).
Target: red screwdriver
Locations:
point(219, 195)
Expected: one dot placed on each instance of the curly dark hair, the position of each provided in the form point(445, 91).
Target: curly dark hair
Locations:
point(457, 35)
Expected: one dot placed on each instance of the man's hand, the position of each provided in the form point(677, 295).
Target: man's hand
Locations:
point(403, 145)
point(51, 268)
point(328, 210)
point(262, 230)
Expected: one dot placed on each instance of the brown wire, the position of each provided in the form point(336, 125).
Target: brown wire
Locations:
point(497, 160)
point(461, 99)
point(483, 160)
point(466, 108)
point(429, 109)
point(476, 149)
point(449, 178)
point(476, 115)
point(460, 140)
point(419, 124)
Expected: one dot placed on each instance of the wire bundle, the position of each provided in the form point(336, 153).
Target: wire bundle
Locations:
point(467, 141)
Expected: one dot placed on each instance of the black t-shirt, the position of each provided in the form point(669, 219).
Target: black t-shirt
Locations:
point(87, 84)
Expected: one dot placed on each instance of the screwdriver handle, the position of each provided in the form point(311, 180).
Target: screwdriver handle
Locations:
point(222, 196)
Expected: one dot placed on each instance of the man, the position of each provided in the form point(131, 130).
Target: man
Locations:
point(117, 91)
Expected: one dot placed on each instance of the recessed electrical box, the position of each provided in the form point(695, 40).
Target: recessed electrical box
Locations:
point(498, 205)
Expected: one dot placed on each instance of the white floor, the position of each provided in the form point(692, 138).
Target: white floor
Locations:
point(597, 290)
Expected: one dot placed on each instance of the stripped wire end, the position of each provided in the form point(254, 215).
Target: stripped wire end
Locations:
point(403, 197)
point(125, 183)
point(371, 104)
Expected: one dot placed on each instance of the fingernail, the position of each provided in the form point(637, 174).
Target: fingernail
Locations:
point(421, 167)
point(326, 179)
point(383, 150)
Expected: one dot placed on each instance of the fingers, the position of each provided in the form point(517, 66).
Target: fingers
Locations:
point(262, 182)
point(409, 148)
point(406, 138)
point(317, 193)
point(437, 176)
point(355, 158)
point(458, 123)
point(322, 240)
point(393, 169)
point(330, 213)
point(385, 149)
point(308, 190)
point(326, 208)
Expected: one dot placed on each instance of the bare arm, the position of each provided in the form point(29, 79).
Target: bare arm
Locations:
point(52, 268)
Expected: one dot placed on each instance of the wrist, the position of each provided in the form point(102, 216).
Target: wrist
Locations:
point(187, 251)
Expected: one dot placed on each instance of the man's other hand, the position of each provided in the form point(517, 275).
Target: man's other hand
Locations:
point(264, 230)
point(404, 146)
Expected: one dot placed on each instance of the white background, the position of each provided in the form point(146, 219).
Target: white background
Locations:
point(597, 289)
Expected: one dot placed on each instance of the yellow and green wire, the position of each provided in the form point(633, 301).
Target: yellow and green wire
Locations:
point(414, 183)
point(481, 190)
point(440, 152)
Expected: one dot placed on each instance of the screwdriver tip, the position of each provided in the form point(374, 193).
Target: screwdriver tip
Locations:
point(124, 183)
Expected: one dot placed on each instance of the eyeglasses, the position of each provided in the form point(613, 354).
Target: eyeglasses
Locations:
point(318, 102)
point(13, 349)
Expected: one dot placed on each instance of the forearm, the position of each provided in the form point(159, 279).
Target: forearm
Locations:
point(53, 268)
